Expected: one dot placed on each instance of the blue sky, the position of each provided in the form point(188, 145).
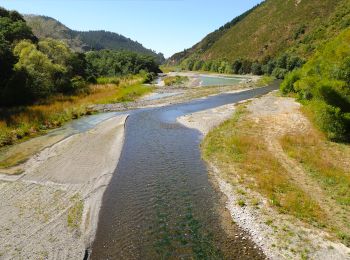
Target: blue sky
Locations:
point(166, 26)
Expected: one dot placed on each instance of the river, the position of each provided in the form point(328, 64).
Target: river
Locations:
point(161, 202)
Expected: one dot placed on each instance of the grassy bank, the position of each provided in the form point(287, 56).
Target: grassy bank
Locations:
point(307, 178)
point(328, 164)
point(20, 123)
point(238, 148)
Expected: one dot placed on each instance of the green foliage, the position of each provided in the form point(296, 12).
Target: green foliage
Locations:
point(276, 67)
point(116, 63)
point(32, 70)
point(40, 68)
point(175, 80)
point(323, 85)
point(287, 85)
point(13, 27)
point(330, 119)
point(108, 80)
point(257, 69)
point(78, 85)
point(279, 73)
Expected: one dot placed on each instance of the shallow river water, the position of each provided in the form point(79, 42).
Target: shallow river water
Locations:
point(161, 203)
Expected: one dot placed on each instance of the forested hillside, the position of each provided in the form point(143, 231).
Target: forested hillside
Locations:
point(254, 41)
point(44, 27)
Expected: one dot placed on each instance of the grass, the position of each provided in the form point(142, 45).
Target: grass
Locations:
point(238, 143)
point(175, 80)
point(75, 213)
point(265, 80)
point(108, 80)
point(315, 153)
point(167, 68)
point(326, 163)
point(21, 123)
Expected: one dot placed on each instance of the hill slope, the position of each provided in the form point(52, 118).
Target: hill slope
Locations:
point(271, 28)
point(44, 27)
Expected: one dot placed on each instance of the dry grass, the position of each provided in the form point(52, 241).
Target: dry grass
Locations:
point(328, 164)
point(175, 80)
point(238, 143)
point(75, 213)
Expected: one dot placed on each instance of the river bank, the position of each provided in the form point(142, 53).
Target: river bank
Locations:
point(53, 198)
point(51, 210)
point(12, 157)
point(279, 235)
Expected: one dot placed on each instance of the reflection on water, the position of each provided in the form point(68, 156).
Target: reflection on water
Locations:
point(218, 81)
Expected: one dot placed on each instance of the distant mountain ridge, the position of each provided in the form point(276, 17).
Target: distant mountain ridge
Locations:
point(47, 27)
point(271, 28)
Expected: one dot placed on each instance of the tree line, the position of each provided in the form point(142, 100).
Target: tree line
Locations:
point(277, 67)
point(33, 69)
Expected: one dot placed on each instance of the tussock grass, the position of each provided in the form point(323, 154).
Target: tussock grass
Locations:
point(75, 213)
point(321, 159)
point(20, 123)
point(328, 164)
point(238, 142)
point(175, 80)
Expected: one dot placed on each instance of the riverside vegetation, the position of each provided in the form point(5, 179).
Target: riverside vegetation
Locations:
point(44, 83)
point(312, 57)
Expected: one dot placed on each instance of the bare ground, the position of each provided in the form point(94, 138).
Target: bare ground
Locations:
point(279, 235)
point(51, 210)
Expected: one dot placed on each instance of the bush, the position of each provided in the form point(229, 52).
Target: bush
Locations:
point(287, 85)
point(279, 73)
point(330, 120)
point(257, 69)
point(327, 91)
point(78, 85)
point(91, 79)
point(149, 77)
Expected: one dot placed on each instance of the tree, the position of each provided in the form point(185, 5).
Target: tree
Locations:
point(40, 69)
point(257, 69)
point(7, 60)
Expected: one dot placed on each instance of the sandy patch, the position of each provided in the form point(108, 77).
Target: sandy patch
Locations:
point(37, 207)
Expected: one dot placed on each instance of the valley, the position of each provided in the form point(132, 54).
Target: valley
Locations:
point(234, 148)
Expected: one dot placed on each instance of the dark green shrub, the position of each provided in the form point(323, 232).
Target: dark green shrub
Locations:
point(331, 120)
point(287, 85)
point(78, 85)
point(149, 77)
point(333, 97)
point(269, 67)
point(257, 69)
point(91, 79)
point(279, 73)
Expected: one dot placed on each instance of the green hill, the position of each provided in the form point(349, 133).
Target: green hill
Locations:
point(271, 28)
point(47, 27)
